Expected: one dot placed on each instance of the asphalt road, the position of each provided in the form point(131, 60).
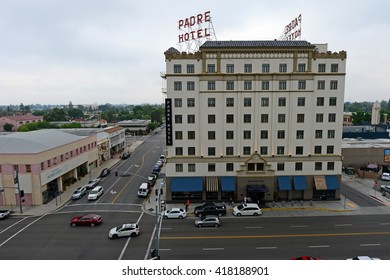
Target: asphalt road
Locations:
point(357, 197)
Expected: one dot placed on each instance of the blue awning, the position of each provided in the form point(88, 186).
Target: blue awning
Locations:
point(228, 184)
point(299, 183)
point(332, 182)
point(187, 184)
point(284, 183)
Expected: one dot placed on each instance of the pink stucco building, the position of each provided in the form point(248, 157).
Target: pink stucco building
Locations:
point(18, 121)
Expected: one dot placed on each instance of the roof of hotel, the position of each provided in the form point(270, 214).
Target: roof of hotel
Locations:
point(35, 141)
point(256, 44)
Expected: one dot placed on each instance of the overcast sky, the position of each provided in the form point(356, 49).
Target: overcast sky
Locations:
point(112, 51)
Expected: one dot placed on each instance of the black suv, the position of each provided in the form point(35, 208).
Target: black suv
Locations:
point(105, 172)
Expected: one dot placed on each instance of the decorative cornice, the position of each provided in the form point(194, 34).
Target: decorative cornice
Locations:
point(169, 56)
point(341, 55)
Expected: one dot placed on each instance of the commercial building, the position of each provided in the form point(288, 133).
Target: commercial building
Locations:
point(18, 121)
point(255, 119)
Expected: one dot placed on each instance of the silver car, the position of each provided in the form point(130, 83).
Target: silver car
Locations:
point(208, 221)
point(79, 192)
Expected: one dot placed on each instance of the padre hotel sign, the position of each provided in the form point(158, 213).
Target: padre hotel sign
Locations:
point(194, 27)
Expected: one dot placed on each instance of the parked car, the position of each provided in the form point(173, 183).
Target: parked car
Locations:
point(125, 155)
point(208, 221)
point(131, 229)
point(92, 183)
point(96, 193)
point(4, 213)
point(210, 208)
point(361, 258)
point(86, 220)
point(151, 181)
point(385, 189)
point(105, 172)
point(175, 213)
point(79, 192)
point(160, 163)
point(385, 176)
point(305, 258)
point(247, 209)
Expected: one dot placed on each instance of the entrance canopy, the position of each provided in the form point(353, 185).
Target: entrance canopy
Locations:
point(228, 184)
point(300, 183)
point(284, 183)
point(320, 183)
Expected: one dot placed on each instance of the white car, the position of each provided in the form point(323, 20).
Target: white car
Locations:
point(363, 258)
point(385, 176)
point(92, 183)
point(95, 193)
point(175, 213)
point(131, 229)
point(247, 209)
point(79, 192)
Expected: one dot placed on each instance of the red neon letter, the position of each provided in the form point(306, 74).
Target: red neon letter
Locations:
point(207, 16)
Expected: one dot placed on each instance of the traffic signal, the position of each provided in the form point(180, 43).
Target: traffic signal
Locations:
point(156, 191)
point(161, 191)
point(21, 193)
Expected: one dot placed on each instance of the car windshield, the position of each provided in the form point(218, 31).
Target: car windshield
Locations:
point(239, 207)
point(93, 191)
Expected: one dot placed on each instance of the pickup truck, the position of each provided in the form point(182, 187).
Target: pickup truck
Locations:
point(4, 213)
point(210, 208)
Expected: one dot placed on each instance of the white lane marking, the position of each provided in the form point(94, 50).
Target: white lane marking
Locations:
point(384, 224)
point(254, 227)
point(13, 225)
point(343, 225)
point(165, 249)
point(366, 245)
point(319, 246)
point(167, 228)
point(128, 240)
point(213, 249)
point(299, 226)
point(265, 248)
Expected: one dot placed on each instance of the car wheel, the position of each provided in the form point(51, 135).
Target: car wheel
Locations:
point(238, 214)
point(115, 236)
point(180, 217)
point(216, 225)
point(255, 214)
point(199, 214)
point(165, 217)
point(133, 234)
point(73, 224)
point(219, 214)
point(92, 224)
point(200, 225)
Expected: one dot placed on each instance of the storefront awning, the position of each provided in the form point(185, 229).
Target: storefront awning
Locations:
point(300, 183)
point(284, 183)
point(228, 184)
point(332, 182)
point(320, 183)
point(212, 184)
point(187, 184)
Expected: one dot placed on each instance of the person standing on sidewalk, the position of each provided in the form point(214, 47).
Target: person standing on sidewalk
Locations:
point(187, 205)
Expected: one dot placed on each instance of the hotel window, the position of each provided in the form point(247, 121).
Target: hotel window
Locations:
point(319, 118)
point(301, 67)
point(263, 150)
point(330, 149)
point(62, 157)
point(299, 150)
point(229, 151)
point(317, 150)
point(190, 68)
point(282, 67)
point(179, 167)
point(282, 85)
point(331, 134)
point(264, 102)
point(178, 119)
point(265, 85)
point(265, 68)
point(211, 85)
point(247, 118)
point(320, 101)
point(28, 168)
point(190, 118)
point(191, 151)
point(332, 101)
point(191, 135)
point(264, 134)
point(318, 165)
point(247, 68)
point(229, 68)
point(264, 118)
point(334, 68)
point(42, 165)
point(229, 166)
point(229, 85)
point(247, 134)
point(190, 102)
point(330, 165)
point(300, 134)
point(211, 167)
point(177, 86)
point(280, 150)
point(300, 118)
point(332, 117)
point(282, 102)
point(211, 135)
point(333, 85)
point(191, 167)
point(211, 151)
point(247, 102)
point(280, 166)
point(229, 102)
point(321, 68)
point(179, 135)
point(178, 102)
point(246, 150)
point(301, 84)
point(177, 68)
point(247, 85)
point(48, 163)
point(321, 85)
point(211, 118)
point(211, 102)
point(298, 166)
point(229, 118)
point(179, 151)
point(281, 134)
point(318, 134)
point(210, 68)
point(230, 134)
point(190, 86)
point(281, 118)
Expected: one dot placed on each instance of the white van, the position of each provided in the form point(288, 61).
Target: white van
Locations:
point(143, 190)
point(247, 209)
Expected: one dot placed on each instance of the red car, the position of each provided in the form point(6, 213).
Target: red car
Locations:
point(86, 220)
point(305, 258)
